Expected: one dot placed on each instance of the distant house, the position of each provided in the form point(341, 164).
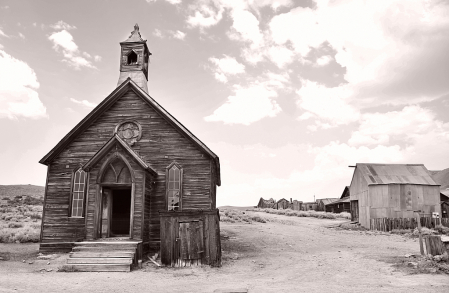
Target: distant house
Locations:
point(392, 191)
point(340, 205)
point(309, 206)
point(282, 204)
point(297, 205)
point(266, 203)
point(322, 202)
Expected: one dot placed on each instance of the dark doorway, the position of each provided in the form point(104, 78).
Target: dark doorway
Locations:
point(121, 212)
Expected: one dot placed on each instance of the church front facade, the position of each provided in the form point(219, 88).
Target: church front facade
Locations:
point(124, 166)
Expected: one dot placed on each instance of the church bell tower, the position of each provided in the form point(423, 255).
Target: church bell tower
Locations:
point(134, 59)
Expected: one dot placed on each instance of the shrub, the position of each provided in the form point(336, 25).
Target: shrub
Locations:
point(36, 226)
point(33, 215)
point(441, 229)
point(344, 215)
point(258, 219)
point(15, 225)
point(315, 214)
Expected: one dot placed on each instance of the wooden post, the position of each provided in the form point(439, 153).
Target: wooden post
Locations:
point(421, 247)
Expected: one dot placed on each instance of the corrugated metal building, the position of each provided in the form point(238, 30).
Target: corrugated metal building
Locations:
point(392, 191)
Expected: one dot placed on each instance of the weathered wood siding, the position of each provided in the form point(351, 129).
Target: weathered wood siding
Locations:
point(170, 238)
point(146, 212)
point(159, 146)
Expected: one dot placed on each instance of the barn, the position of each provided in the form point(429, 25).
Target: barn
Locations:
point(131, 175)
point(391, 191)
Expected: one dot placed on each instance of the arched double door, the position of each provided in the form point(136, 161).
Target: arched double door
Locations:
point(116, 206)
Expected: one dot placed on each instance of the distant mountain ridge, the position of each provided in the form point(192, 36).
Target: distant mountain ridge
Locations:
point(11, 191)
point(441, 177)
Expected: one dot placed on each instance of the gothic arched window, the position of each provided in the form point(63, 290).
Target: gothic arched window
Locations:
point(78, 191)
point(174, 187)
point(132, 58)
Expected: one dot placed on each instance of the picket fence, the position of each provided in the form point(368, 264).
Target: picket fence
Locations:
point(388, 224)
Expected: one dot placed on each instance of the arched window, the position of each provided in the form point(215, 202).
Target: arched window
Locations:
point(174, 186)
point(79, 187)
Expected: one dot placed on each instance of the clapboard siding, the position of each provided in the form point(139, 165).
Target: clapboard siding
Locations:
point(161, 144)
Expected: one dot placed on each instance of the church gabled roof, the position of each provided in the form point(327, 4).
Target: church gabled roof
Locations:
point(107, 103)
point(107, 147)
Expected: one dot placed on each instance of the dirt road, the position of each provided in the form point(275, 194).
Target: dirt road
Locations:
point(288, 254)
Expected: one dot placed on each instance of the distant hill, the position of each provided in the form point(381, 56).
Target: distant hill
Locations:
point(441, 177)
point(11, 191)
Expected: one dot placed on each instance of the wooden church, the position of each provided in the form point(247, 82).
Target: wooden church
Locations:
point(131, 179)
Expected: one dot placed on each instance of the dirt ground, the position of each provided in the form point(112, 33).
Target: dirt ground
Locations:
point(287, 254)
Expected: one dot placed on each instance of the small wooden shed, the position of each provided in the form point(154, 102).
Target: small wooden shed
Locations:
point(190, 238)
point(340, 205)
point(392, 191)
point(322, 202)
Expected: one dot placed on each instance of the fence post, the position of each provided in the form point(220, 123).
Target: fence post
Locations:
point(421, 247)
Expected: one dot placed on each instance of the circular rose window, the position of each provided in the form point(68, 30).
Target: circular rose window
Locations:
point(129, 131)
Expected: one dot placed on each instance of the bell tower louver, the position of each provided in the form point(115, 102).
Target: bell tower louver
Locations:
point(134, 59)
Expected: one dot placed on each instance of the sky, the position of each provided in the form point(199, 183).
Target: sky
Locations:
point(287, 93)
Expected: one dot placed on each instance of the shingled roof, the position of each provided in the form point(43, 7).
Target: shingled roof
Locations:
point(396, 174)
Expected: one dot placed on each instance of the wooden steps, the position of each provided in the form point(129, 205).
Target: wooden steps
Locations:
point(101, 256)
point(102, 268)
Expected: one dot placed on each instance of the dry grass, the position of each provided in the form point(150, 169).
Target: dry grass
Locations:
point(20, 222)
point(234, 216)
point(314, 214)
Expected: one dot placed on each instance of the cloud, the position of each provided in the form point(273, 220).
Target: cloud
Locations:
point(18, 95)
point(328, 104)
point(245, 27)
point(21, 36)
point(406, 125)
point(61, 25)
point(225, 67)
point(246, 106)
point(3, 34)
point(323, 60)
point(178, 35)
point(97, 58)
point(381, 44)
point(205, 16)
point(280, 55)
point(157, 33)
point(63, 41)
point(84, 103)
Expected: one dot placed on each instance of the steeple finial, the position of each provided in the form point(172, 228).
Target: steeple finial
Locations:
point(135, 33)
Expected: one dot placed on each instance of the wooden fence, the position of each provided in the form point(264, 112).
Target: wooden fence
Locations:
point(388, 224)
